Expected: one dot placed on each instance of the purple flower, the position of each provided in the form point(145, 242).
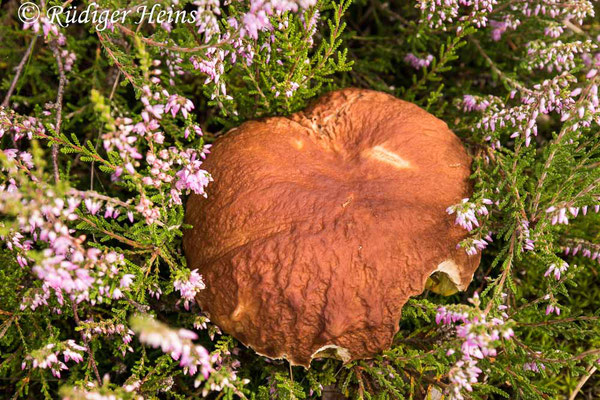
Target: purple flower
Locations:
point(416, 62)
point(177, 343)
point(188, 288)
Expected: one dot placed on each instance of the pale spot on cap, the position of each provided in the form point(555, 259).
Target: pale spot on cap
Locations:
point(298, 143)
point(382, 154)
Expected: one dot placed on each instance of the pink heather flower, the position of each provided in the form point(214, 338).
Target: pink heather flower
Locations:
point(553, 31)
point(499, 28)
point(466, 213)
point(176, 103)
point(145, 207)
point(479, 337)
point(69, 59)
point(48, 357)
point(254, 23)
point(472, 103)
point(155, 292)
point(126, 281)
point(92, 206)
point(533, 366)
point(449, 317)
point(197, 131)
point(416, 62)
point(193, 178)
point(293, 87)
point(552, 308)
point(48, 28)
point(561, 217)
point(190, 176)
point(462, 376)
point(556, 270)
point(525, 236)
point(177, 343)
point(155, 110)
point(589, 250)
point(67, 267)
point(189, 288)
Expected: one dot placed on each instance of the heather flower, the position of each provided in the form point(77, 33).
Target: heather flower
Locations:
point(197, 130)
point(438, 14)
point(534, 366)
point(557, 56)
point(177, 343)
point(176, 103)
point(584, 248)
point(556, 270)
point(466, 212)
point(192, 177)
point(92, 206)
point(110, 328)
point(155, 291)
point(560, 215)
point(48, 357)
point(522, 119)
point(418, 63)
point(189, 287)
point(49, 29)
point(553, 31)
point(525, 236)
point(146, 208)
point(499, 27)
point(552, 308)
point(126, 281)
point(68, 267)
point(479, 337)
point(69, 59)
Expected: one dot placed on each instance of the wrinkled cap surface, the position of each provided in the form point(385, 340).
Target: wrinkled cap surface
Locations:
point(319, 227)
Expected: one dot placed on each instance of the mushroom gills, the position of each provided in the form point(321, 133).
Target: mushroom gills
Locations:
point(445, 280)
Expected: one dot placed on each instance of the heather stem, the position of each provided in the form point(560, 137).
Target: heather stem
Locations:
point(87, 344)
point(59, 99)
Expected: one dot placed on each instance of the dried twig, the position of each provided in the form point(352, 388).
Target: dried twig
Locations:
point(18, 72)
point(582, 381)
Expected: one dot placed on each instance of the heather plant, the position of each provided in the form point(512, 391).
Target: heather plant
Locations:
point(104, 127)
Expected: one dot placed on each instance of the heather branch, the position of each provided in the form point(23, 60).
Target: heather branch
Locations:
point(558, 321)
point(96, 195)
point(507, 270)
point(116, 236)
point(555, 148)
point(86, 342)
point(539, 357)
point(80, 149)
point(166, 46)
point(105, 45)
point(59, 100)
point(495, 68)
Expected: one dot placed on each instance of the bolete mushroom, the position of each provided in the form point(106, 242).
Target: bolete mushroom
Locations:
point(319, 227)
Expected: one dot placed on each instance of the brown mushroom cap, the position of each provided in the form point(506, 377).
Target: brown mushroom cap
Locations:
point(319, 227)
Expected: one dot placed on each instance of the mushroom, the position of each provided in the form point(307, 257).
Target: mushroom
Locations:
point(319, 227)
